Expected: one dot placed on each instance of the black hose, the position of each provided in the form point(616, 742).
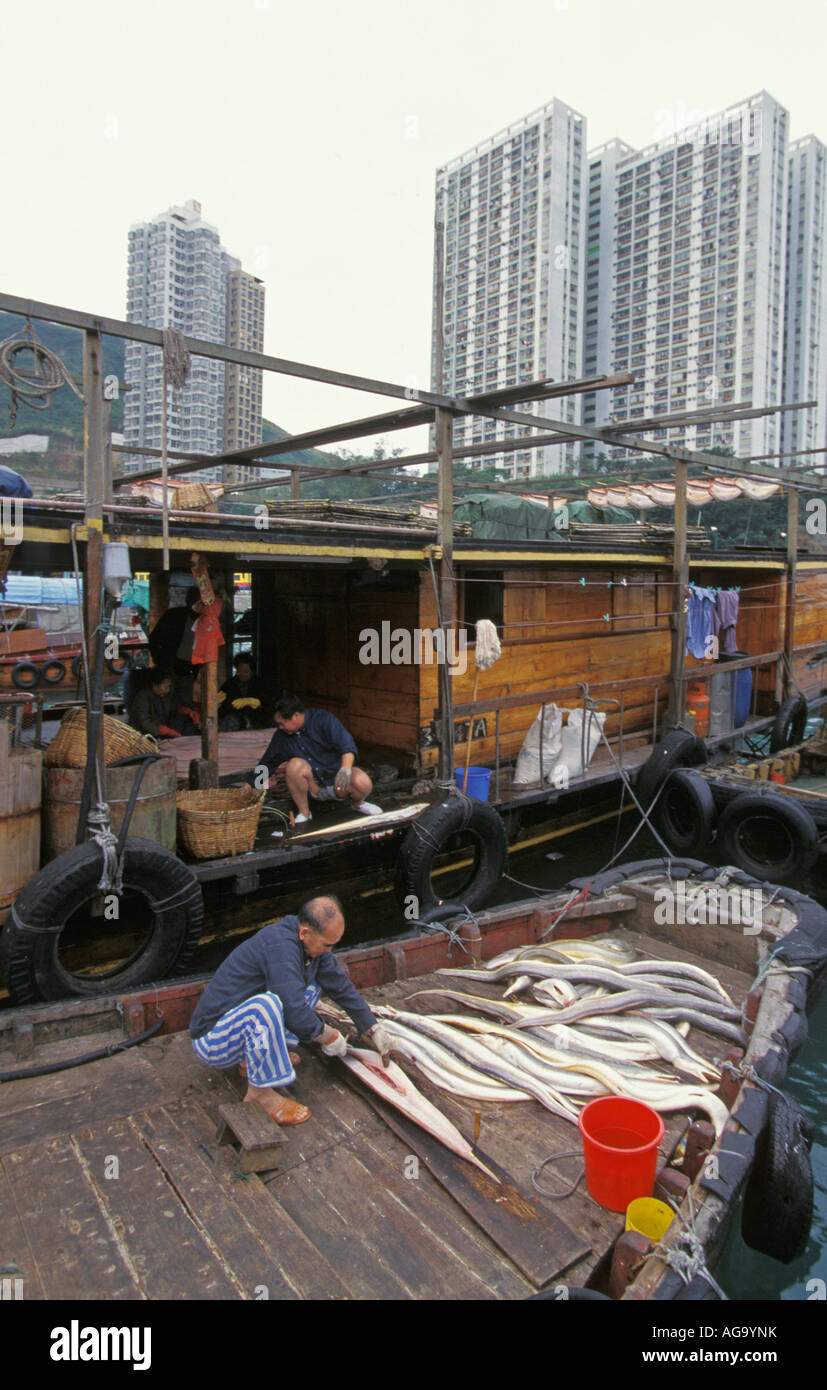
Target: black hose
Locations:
point(87, 1057)
point(145, 759)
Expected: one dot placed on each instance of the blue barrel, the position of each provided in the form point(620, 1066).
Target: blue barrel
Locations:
point(478, 780)
point(741, 688)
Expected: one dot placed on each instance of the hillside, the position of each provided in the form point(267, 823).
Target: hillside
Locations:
point(61, 467)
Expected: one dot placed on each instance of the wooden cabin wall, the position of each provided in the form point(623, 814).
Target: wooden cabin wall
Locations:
point(314, 618)
point(558, 632)
point(810, 623)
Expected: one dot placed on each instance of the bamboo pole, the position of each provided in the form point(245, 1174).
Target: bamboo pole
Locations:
point(680, 575)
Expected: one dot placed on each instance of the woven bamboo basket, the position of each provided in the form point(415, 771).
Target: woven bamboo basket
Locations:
point(120, 740)
point(217, 822)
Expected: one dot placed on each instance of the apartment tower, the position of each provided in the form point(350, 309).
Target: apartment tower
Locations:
point(513, 259)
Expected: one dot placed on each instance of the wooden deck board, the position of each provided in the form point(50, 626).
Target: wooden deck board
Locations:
point(15, 1248)
point(301, 1269)
point(74, 1251)
point(170, 1255)
point(42, 1108)
point(253, 1262)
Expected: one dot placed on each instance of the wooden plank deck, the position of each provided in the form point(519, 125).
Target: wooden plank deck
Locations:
point(113, 1186)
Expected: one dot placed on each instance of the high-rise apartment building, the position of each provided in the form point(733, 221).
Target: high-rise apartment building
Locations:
point(513, 275)
point(697, 274)
point(597, 287)
point(805, 331)
point(180, 276)
point(242, 385)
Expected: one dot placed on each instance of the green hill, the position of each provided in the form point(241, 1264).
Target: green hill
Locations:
point(60, 468)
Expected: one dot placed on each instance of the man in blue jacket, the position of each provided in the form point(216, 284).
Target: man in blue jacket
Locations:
point(261, 1002)
point(317, 756)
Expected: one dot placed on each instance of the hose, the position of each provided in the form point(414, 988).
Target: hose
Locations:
point(87, 1056)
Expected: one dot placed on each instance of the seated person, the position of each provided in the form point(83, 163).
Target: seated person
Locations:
point(317, 756)
point(154, 711)
point(242, 700)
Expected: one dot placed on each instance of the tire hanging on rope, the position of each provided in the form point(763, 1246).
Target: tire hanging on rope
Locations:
point(430, 836)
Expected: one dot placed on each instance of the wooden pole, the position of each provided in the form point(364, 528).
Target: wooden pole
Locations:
point(295, 486)
point(680, 578)
point(789, 607)
point(444, 440)
point(94, 470)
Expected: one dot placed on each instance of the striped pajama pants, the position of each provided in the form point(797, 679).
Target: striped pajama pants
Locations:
point(255, 1032)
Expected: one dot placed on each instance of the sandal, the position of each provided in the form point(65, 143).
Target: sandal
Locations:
point(290, 1112)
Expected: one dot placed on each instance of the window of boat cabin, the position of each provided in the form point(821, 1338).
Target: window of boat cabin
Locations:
point(481, 596)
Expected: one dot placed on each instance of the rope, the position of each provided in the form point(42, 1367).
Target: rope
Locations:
point(111, 880)
point(689, 1262)
point(32, 385)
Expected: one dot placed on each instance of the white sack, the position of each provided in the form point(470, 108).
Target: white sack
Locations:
point(528, 760)
point(571, 754)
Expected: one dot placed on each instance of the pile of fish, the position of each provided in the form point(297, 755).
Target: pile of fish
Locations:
point(602, 1021)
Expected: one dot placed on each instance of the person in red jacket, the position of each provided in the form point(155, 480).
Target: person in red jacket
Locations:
point(153, 709)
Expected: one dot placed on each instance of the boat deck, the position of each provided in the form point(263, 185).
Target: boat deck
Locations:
point(113, 1185)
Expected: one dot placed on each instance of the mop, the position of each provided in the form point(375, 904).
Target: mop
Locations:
point(487, 651)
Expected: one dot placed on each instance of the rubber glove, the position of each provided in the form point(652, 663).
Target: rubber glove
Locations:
point(341, 782)
point(380, 1039)
point(222, 695)
point(336, 1046)
point(166, 732)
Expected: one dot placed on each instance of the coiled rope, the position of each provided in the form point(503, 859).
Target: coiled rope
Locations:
point(33, 384)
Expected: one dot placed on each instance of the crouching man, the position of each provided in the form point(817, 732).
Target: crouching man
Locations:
point(261, 1003)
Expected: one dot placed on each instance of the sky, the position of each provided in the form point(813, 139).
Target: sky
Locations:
point(311, 133)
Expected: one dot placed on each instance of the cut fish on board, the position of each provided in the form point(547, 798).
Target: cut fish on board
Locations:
point(394, 1086)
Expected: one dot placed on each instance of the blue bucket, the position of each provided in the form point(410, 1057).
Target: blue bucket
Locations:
point(478, 779)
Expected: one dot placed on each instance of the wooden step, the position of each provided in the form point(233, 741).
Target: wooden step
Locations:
point(260, 1139)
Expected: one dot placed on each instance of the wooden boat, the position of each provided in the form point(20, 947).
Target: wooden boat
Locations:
point(177, 1224)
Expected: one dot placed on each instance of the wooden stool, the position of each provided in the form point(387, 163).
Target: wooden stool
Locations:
point(260, 1138)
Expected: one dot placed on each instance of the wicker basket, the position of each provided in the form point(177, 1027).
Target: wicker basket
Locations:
point(120, 740)
point(214, 823)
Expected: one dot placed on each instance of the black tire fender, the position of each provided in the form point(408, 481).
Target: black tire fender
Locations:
point(678, 749)
point(789, 832)
point(428, 836)
point(53, 670)
point(29, 961)
point(77, 666)
point(790, 723)
point(778, 1202)
point(119, 665)
point(685, 813)
point(25, 675)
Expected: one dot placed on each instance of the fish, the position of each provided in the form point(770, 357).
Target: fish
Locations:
point(564, 1058)
point(398, 1090)
point(670, 1045)
point(478, 1056)
point(676, 967)
point(651, 997)
point(594, 975)
point(446, 1069)
point(591, 948)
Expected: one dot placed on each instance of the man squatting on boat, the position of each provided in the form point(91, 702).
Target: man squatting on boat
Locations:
point(317, 755)
point(261, 1002)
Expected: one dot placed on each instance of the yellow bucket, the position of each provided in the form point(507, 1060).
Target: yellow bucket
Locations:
point(649, 1216)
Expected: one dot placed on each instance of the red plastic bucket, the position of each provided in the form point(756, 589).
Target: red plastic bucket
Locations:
point(620, 1148)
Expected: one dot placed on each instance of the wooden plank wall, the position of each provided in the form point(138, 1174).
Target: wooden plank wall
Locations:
point(557, 632)
point(810, 621)
point(318, 618)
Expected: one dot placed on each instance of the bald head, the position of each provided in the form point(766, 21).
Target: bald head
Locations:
point(321, 925)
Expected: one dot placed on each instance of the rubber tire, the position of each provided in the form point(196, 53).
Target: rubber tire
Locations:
point(77, 666)
point(677, 749)
point(116, 670)
point(686, 798)
point(778, 1203)
point(801, 836)
point(16, 677)
point(29, 942)
point(53, 680)
point(790, 723)
point(427, 837)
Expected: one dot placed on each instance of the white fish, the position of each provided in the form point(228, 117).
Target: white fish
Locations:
point(397, 1089)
